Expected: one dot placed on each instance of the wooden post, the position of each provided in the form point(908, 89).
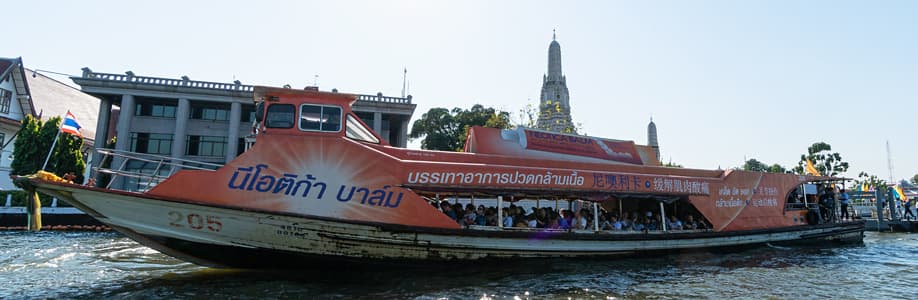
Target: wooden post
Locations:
point(34, 209)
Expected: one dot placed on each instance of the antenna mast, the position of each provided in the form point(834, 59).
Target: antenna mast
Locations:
point(889, 162)
point(404, 82)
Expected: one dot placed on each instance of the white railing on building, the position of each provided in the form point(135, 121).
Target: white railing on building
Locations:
point(129, 77)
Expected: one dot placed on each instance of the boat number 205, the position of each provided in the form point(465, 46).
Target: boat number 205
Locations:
point(195, 221)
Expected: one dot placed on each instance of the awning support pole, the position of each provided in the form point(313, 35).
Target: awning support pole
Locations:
point(595, 216)
point(500, 211)
point(662, 216)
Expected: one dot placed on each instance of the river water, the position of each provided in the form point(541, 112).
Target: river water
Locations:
point(95, 265)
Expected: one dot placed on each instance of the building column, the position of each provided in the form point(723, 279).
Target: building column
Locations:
point(232, 139)
point(377, 123)
point(403, 133)
point(123, 135)
point(101, 138)
point(181, 125)
point(125, 118)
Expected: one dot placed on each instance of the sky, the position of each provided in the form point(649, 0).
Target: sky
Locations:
point(724, 81)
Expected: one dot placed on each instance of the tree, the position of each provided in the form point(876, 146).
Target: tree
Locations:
point(915, 179)
point(870, 181)
point(776, 168)
point(754, 165)
point(447, 130)
point(671, 164)
point(826, 162)
point(32, 146)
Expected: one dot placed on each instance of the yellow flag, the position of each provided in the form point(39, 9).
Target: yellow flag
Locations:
point(810, 169)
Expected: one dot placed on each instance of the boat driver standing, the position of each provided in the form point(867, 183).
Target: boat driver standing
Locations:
point(843, 199)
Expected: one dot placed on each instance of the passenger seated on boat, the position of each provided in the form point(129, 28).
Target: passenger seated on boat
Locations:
point(481, 216)
point(532, 222)
point(553, 223)
point(674, 223)
point(651, 224)
point(448, 209)
point(491, 217)
point(470, 216)
point(638, 224)
point(508, 219)
point(626, 221)
point(689, 223)
point(579, 222)
point(564, 220)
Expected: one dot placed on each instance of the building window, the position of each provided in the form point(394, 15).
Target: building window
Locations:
point(214, 112)
point(155, 109)
point(152, 143)
point(248, 114)
point(6, 97)
point(200, 145)
point(154, 174)
point(240, 146)
point(320, 118)
point(2, 139)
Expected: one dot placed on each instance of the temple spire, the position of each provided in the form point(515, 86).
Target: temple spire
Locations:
point(553, 35)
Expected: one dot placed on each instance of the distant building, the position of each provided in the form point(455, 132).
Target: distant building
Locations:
point(26, 92)
point(202, 121)
point(554, 102)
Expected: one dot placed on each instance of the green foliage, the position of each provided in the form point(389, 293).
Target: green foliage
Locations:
point(672, 165)
point(826, 162)
point(528, 116)
point(872, 181)
point(447, 130)
point(32, 146)
point(776, 168)
point(756, 166)
point(915, 179)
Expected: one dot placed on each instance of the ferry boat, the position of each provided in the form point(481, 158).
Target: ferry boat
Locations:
point(319, 187)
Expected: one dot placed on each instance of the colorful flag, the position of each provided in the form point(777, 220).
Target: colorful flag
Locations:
point(71, 125)
point(901, 193)
point(810, 169)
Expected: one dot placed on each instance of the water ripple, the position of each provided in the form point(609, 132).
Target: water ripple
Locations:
point(107, 265)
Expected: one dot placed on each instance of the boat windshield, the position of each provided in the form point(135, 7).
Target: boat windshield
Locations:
point(357, 131)
point(280, 116)
point(320, 118)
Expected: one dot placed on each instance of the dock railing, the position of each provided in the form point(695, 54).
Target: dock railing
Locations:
point(155, 168)
point(863, 204)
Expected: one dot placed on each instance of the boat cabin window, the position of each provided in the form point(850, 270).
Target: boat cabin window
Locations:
point(320, 118)
point(280, 116)
point(357, 131)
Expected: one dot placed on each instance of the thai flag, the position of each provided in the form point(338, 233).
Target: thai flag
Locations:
point(71, 125)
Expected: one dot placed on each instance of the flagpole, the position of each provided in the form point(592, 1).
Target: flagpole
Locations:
point(56, 136)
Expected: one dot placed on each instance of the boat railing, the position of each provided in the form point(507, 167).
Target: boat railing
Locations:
point(119, 165)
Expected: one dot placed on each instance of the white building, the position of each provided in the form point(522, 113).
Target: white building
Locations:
point(26, 92)
point(200, 120)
